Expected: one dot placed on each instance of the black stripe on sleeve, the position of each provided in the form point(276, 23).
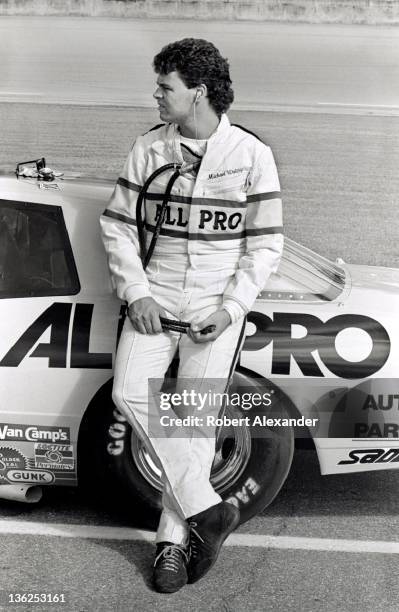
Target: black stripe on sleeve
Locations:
point(259, 197)
point(119, 217)
point(263, 231)
point(125, 183)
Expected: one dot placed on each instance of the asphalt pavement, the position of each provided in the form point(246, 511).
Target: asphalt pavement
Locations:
point(103, 574)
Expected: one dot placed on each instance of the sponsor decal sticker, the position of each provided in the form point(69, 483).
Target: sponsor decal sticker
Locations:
point(376, 430)
point(33, 433)
point(10, 458)
point(372, 455)
point(54, 456)
point(31, 476)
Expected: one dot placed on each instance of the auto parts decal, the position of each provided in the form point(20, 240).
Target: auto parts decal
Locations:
point(376, 430)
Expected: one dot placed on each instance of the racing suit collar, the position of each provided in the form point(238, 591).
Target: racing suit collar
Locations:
point(219, 135)
point(169, 147)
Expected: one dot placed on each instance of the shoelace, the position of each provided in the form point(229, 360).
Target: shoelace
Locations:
point(171, 557)
point(193, 541)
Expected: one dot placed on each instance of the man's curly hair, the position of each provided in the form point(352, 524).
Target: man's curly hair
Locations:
point(198, 61)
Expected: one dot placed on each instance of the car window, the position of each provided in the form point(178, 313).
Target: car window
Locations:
point(36, 258)
point(303, 275)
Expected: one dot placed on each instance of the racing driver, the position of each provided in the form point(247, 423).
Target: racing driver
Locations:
point(220, 240)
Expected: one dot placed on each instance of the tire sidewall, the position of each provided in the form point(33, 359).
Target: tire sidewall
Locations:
point(255, 488)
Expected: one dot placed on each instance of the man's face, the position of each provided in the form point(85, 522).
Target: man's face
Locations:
point(174, 98)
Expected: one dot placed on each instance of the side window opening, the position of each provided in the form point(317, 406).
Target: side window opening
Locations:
point(36, 257)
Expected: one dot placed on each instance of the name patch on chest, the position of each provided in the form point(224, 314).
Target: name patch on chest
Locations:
point(228, 172)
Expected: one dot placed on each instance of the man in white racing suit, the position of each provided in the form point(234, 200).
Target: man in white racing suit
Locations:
point(220, 240)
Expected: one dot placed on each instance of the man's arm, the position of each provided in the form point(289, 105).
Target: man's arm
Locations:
point(120, 237)
point(119, 231)
point(264, 235)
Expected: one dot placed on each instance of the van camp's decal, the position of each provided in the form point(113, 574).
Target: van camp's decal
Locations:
point(54, 456)
point(10, 458)
point(33, 433)
point(372, 455)
point(321, 337)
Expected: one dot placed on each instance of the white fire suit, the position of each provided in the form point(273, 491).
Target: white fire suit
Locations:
point(220, 241)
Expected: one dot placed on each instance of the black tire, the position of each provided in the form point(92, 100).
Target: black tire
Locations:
point(250, 467)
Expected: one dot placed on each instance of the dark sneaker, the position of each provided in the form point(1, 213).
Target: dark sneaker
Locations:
point(170, 573)
point(208, 531)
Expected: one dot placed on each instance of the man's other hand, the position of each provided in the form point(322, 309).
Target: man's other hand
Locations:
point(144, 315)
point(220, 319)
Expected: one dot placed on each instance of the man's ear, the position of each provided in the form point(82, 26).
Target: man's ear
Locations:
point(202, 91)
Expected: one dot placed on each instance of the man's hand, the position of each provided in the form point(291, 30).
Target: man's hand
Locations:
point(220, 319)
point(144, 315)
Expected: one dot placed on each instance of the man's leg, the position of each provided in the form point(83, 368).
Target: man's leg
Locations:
point(139, 358)
point(206, 368)
point(172, 525)
point(186, 465)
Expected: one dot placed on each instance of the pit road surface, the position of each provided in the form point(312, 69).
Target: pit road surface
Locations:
point(103, 575)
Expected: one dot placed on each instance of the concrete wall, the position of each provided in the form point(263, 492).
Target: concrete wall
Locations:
point(312, 11)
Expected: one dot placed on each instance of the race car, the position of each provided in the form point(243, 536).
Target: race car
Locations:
point(320, 347)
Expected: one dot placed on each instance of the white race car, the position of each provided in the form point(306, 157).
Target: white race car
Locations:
point(321, 342)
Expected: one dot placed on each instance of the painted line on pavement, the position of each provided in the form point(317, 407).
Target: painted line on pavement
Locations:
point(8, 527)
point(321, 544)
point(335, 108)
